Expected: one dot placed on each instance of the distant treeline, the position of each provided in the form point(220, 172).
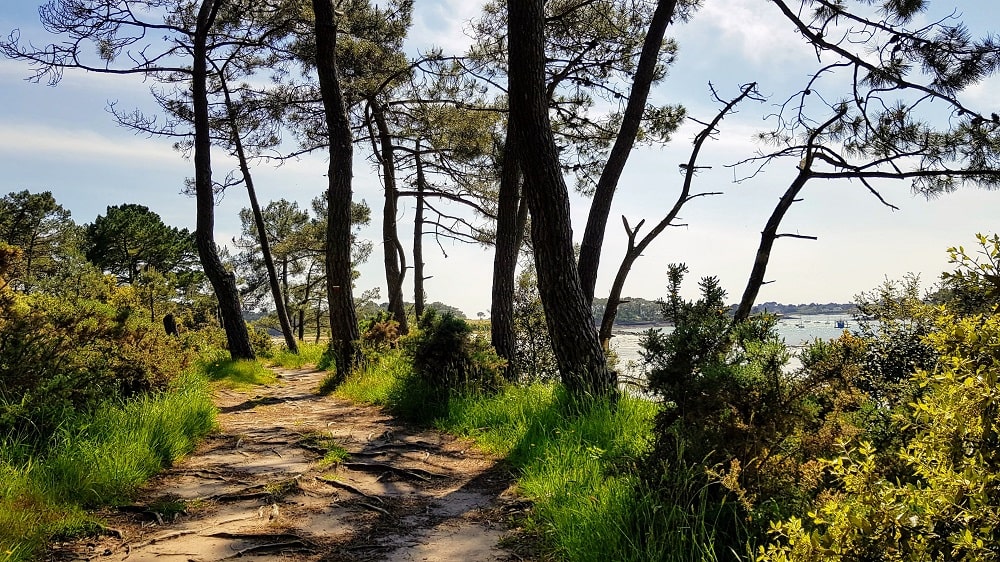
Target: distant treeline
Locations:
point(642, 311)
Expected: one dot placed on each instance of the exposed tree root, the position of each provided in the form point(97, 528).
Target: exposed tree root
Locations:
point(415, 473)
point(298, 545)
point(349, 488)
point(374, 508)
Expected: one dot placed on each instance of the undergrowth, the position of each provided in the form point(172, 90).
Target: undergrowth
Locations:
point(93, 460)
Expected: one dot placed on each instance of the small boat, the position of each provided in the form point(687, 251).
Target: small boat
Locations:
point(840, 324)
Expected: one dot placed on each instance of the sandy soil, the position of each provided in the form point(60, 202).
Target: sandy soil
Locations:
point(258, 488)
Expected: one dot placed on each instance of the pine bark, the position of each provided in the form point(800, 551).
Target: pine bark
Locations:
point(581, 360)
point(767, 238)
point(223, 282)
point(418, 239)
point(394, 256)
point(280, 304)
point(507, 246)
point(343, 318)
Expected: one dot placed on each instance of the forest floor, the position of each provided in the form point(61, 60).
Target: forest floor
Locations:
point(260, 487)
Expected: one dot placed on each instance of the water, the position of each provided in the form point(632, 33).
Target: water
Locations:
point(796, 330)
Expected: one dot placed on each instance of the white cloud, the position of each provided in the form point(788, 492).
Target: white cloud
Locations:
point(758, 32)
point(443, 23)
point(80, 145)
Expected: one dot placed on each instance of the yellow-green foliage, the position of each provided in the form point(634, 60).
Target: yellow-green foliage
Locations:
point(947, 505)
point(59, 355)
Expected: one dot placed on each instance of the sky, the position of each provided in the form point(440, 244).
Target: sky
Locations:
point(62, 139)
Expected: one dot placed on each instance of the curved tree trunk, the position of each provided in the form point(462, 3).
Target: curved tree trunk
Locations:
point(223, 282)
point(604, 192)
point(343, 318)
point(394, 257)
point(635, 249)
point(280, 307)
point(767, 238)
point(582, 365)
point(507, 247)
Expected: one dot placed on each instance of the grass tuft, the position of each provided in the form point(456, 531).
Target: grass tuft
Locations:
point(333, 452)
point(237, 374)
point(309, 354)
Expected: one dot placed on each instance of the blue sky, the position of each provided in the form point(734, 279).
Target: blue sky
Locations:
point(62, 139)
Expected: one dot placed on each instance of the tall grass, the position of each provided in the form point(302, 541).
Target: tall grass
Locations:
point(96, 460)
point(580, 468)
point(379, 381)
point(309, 354)
point(220, 368)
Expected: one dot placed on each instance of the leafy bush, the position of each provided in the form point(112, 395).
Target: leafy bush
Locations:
point(446, 360)
point(59, 356)
point(380, 332)
point(733, 418)
point(534, 359)
point(260, 340)
point(946, 506)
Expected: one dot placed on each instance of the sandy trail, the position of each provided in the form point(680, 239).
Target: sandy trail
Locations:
point(258, 488)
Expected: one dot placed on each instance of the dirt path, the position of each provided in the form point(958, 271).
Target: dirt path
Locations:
point(259, 488)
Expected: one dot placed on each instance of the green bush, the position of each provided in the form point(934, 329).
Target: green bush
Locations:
point(379, 332)
point(946, 505)
point(59, 356)
point(448, 361)
point(534, 359)
point(260, 340)
point(735, 420)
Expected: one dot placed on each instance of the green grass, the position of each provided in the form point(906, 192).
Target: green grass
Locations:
point(376, 382)
point(309, 354)
point(333, 452)
point(236, 374)
point(579, 467)
point(96, 460)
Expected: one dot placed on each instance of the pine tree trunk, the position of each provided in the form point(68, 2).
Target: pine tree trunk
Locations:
point(581, 360)
point(767, 238)
point(394, 257)
point(258, 218)
point(507, 247)
point(223, 282)
point(607, 184)
point(339, 290)
point(418, 239)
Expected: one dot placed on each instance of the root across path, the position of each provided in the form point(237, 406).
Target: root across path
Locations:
point(265, 486)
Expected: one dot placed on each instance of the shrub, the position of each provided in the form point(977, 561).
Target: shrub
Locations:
point(446, 360)
point(946, 506)
point(260, 340)
point(734, 418)
point(59, 356)
point(534, 358)
point(379, 332)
